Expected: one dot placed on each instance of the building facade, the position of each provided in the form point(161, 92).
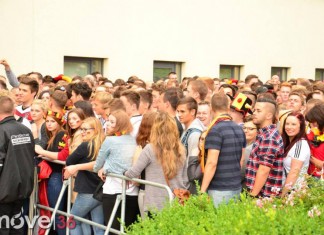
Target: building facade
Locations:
point(148, 38)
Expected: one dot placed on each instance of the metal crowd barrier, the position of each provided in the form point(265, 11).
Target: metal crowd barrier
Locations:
point(67, 184)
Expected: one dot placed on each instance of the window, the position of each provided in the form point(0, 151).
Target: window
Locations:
point(282, 72)
point(230, 71)
point(82, 66)
point(161, 69)
point(319, 74)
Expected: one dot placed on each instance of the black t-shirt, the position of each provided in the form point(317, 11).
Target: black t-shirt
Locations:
point(86, 181)
point(57, 145)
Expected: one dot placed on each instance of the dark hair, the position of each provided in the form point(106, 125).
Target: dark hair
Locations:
point(250, 77)
point(269, 100)
point(60, 98)
point(132, 97)
point(83, 89)
point(229, 86)
point(146, 97)
point(3, 85)
point(190, 103)
point(316, 114)
point(81, 115)
point(301, 135)
point(172, 95)
point(48, 79)
point(39, 75)
point(42, 93)
point(32, 83)
point(119, 82)
point(86, 107)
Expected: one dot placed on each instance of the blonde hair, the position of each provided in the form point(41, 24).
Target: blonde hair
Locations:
point(103, 97)
point(41, 104)
point(97, 138)
point(166, 144)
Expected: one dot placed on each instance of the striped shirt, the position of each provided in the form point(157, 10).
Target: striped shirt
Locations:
point(267, 150)
point(229, 139)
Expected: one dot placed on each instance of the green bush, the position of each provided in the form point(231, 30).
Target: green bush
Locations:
point(297, 213)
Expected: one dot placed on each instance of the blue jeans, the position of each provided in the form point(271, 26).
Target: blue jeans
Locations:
point(223, 196)
point(54, 187)
point(85, 203)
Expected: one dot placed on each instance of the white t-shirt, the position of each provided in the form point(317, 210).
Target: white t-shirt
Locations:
point(301, 152)
point(136, 122)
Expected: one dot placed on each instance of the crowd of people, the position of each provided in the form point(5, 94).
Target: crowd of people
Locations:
point(223, 135)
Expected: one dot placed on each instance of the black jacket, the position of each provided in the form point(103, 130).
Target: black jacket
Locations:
point(17, 151)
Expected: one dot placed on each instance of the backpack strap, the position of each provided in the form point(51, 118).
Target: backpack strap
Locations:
point(185, 138)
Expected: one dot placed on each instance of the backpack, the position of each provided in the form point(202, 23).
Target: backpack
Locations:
point(185, 138)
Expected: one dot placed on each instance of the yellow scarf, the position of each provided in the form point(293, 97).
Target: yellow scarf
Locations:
point(202, 140)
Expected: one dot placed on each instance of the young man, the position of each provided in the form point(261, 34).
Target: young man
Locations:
point(225, 143)
point(285, 89)
point(187, 110)
point(168, 102)
point(296, 102)
point(204, 113)
point(16, 166)
point(250, 79)
point(131, 100)
point(264, 170)
point(28, 89)
point(80, 91)
point(198, 90)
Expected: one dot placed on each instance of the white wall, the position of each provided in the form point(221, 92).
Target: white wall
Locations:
point(131, 34)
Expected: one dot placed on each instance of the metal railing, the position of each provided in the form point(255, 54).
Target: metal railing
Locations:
point(121, 199)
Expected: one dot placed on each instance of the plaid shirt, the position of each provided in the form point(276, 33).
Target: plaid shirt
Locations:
point(267, 150)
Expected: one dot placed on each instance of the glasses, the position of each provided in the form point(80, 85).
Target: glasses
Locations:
point(249, 128)
point(86, 129)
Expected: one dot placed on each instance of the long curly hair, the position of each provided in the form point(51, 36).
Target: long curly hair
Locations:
point(166, 144)
point(145, 128)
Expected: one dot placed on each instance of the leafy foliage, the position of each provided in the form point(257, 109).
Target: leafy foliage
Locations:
point(300, 212)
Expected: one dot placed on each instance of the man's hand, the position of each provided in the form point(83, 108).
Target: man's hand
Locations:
point(5, 64)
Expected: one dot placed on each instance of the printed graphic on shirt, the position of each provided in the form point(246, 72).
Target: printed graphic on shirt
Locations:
point(20, 139)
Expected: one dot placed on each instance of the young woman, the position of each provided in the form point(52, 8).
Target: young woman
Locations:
point(251, 131)
point(56, 134)
point(142, 139)
point(74, 121)
point(115, 156)
point(297, 151)
point(37, 112)
point(45, 96)
point(73, 140)
point(86, 182)
point(163, 157)
point(315, 117)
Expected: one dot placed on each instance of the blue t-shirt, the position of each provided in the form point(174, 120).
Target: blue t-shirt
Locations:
point(229, 138)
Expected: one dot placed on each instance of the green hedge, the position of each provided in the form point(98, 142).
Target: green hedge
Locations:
point(302, 212)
